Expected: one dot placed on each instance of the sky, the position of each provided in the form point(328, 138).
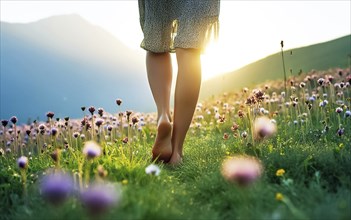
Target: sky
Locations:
point(249, 30)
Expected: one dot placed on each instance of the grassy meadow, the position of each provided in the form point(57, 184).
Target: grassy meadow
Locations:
point(98, 166)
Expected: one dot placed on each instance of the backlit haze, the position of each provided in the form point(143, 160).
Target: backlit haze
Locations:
point(249, 30)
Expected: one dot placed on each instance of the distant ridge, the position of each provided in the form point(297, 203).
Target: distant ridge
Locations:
point(321, 56)
point(62, 63)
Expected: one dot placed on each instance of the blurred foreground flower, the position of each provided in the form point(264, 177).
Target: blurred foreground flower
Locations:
point(22, 162)
point(279, 197)
point(280, 172)
point(264, 127)
point(153, 169)
point(242, 170)
point(56, 187)
point(98, 197)
point(91, 149)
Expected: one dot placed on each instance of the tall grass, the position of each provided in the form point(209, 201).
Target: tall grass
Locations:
point(311, 148)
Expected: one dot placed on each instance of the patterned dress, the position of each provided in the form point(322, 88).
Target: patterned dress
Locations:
point(170, 24)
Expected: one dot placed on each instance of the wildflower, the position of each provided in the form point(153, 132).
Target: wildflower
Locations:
point(99, 122)
point(217, 115)
point(221, 119)
point(41, 127)
point(135, 120)
point(91, 109)
point(153, 169)
point(234, 127)
point(1, 152)
point(53, 131)
point(338, 110)
point(125, 140)
point(323, 103)
point(263, 127)
point(347, 113)
point(56, 187)
point(225, 136)
point(240, 114)
point(76, 134)
point(302, 85)
point(244, 134)
point(4, 122)
point(13, 119)
point(82, 136)
point(295, 122)
point(83, 108)
point(22, 162)
point(55, 155)
point(341, 84)
point(124, 182)
point(109, 127)
point(340, 131)
point(280, 172)
point(98, 197)
point(91, 149)
point(242, 170)
point(118, 102)
point(279, 196)
point(311, 99)
point(100, 111)
point(50, 115)
point(320, 81)
point(128, 113)
point(101, 171)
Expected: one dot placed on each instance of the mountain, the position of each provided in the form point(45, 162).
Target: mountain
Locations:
point(322, 56)
point(62, 63)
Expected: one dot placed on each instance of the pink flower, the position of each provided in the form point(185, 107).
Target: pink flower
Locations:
point(264, 127)
point(242, 170)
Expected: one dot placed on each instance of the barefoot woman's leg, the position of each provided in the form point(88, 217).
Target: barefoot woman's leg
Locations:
point(186, 96)
point(159, 72)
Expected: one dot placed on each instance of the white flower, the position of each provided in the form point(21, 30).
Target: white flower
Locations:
point(153, 169)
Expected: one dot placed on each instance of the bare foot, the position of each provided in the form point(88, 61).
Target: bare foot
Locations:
point(176, 159)
point(162, 149)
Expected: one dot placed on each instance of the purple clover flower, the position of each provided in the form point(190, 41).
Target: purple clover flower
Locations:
point(323, 103)
point(340, 131)
point(22, 162)
point(56, 187)
point(98, 197)
point(91, 149)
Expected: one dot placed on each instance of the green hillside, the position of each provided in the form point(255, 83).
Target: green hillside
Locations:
point(322, 56)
